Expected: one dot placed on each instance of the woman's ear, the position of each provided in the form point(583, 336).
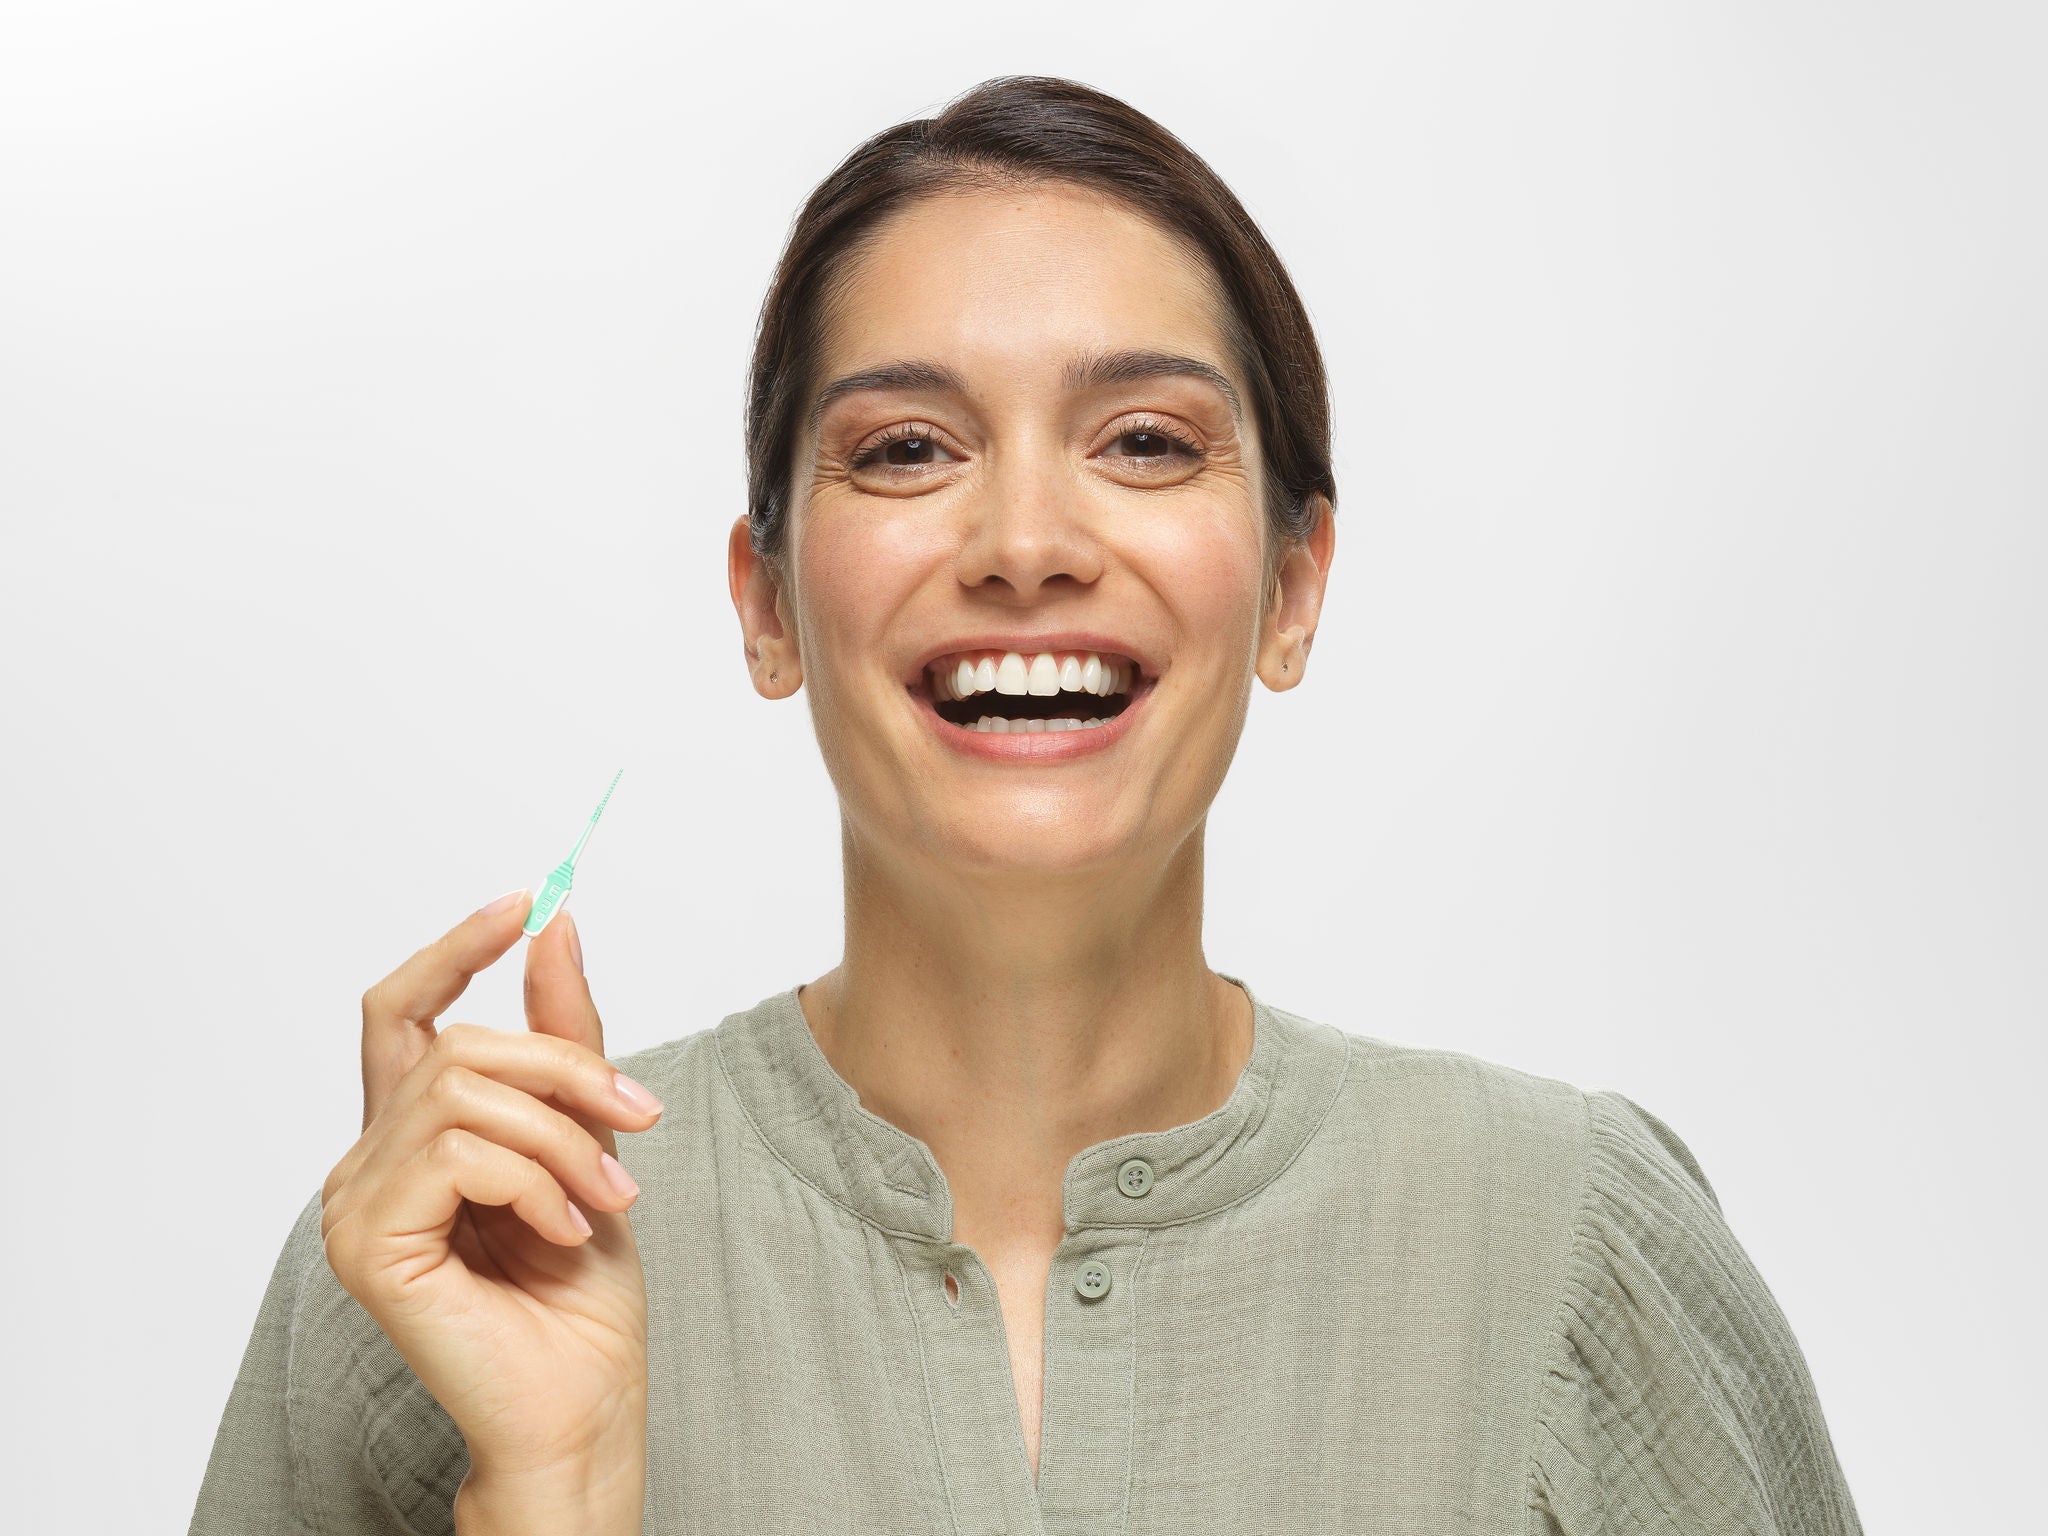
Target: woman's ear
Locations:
point(1296, 601)
point(757, 597)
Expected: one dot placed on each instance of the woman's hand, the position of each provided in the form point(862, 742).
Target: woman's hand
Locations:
point(451, 1219)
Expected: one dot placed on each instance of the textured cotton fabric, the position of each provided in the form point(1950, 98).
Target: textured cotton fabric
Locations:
point(1382, 1289)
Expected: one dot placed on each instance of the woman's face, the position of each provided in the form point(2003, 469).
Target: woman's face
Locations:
point(1001, 498)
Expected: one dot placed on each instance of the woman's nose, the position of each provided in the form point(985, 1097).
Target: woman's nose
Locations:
point(1027, 529)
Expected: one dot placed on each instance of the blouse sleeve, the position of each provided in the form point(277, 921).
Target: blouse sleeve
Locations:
point(1677, 1399)
point(326, 1428)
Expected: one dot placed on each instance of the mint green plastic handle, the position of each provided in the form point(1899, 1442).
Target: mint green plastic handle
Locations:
point(555, 889)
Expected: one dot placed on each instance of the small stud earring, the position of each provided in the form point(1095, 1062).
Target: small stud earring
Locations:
point(774, 676)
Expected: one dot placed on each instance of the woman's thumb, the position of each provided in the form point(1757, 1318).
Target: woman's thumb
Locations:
point(558, 999)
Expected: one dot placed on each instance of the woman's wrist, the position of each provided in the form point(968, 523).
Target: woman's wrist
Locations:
point(602, 1495)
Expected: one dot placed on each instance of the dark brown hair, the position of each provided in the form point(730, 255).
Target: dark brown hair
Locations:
point(1016, 130)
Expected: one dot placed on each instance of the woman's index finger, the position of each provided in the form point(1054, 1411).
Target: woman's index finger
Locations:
point(399, 1011)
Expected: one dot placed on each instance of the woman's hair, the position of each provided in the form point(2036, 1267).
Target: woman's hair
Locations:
point(1013, 131)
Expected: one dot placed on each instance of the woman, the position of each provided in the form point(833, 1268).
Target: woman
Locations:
point(1020, 1218)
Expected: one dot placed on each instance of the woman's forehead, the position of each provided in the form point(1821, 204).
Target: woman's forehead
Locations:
point(991, 289)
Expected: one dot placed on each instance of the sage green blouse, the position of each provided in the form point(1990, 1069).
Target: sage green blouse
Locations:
point(1382, 1289)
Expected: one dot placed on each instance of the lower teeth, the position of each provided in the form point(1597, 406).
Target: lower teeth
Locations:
point(1001, 725)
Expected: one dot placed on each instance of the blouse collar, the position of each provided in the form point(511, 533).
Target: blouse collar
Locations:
point(814, 1121)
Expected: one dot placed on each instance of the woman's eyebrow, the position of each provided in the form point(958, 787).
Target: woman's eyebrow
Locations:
point(1092, 370)
point(1088, 371)
point(936, 377)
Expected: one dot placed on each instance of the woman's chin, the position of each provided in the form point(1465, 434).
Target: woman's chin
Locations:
point(1027, 847)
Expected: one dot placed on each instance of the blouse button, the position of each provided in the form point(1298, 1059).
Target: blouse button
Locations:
point(1093, 1280)
point(1135, 1177)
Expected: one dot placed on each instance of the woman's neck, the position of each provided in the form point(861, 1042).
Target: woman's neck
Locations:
point(1010, 1024)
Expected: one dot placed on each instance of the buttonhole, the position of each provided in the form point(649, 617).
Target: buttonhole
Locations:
point(952, 1290)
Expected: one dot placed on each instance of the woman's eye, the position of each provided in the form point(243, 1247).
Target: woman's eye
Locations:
point(899, 448)
point(1149, 445)
point(1150, 442)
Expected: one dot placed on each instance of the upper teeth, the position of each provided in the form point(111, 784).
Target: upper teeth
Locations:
point(1047, 672)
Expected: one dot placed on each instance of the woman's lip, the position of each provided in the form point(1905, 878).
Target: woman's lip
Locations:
point(1033, 746)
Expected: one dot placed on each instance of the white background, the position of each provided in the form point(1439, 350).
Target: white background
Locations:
point(370, 398)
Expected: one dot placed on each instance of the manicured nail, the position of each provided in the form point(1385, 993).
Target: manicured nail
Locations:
point(575, 944)
point(636, 1096)
point(622, 1181)
point(582, 1221)
point(502, 904)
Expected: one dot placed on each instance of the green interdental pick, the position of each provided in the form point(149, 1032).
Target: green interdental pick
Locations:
point(555, 889)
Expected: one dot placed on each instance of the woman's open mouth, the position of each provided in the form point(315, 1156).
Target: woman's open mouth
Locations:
point(1009, 704)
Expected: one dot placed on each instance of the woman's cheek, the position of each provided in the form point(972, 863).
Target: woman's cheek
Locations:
point(1210, 571)
point(865, 551)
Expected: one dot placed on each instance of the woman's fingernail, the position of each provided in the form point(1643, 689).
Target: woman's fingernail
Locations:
point(622, 1181)
point(636, 1096)
point(575, 944)
point(503, 903)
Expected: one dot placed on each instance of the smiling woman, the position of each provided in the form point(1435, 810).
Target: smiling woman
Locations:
point(1020, 1218)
